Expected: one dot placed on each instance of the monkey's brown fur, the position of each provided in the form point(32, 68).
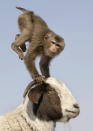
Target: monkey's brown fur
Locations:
point(35, 30)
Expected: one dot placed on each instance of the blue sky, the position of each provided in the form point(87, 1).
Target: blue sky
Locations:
point(73, 20)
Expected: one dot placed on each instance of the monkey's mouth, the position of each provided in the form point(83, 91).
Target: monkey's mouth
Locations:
point(52, 54)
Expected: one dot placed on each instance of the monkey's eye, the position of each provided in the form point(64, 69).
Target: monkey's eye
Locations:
point(58, 45)
point(53, 42)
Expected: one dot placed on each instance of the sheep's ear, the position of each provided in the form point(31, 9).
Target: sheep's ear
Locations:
point(35, 94)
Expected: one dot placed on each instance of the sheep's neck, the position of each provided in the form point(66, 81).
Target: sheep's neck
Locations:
point(32, 128)
point(33, 121)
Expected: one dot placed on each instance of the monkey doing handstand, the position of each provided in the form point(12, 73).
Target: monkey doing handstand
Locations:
point(42, 42)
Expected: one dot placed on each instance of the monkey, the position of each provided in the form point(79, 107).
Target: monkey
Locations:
point(43, 42)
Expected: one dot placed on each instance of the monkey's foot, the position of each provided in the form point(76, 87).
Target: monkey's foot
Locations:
point(40, 79)
point(21, 56)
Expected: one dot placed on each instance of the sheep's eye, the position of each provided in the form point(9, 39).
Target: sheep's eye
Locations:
point(53, 42)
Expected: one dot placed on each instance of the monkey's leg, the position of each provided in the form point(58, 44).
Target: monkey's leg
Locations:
point(23, 46)
point(17, 43)
point(44, 65)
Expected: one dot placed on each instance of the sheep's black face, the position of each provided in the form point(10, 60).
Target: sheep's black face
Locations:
point(48, 106)
point(53, 101)
point(69, 106)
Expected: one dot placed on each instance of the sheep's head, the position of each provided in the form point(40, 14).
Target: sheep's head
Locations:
point(53, 101)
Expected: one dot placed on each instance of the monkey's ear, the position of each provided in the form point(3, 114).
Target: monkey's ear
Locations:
point(35, 94)
point(46, 37)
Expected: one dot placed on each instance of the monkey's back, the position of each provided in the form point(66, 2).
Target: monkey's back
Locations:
point(25, 21)
point(29, 22)
point(39, 28)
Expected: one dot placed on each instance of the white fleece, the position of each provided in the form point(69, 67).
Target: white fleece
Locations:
point(23, 119)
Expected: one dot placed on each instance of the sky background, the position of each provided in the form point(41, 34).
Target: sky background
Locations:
point(73, 20)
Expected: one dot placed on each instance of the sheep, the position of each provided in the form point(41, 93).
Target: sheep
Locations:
point(43, 106)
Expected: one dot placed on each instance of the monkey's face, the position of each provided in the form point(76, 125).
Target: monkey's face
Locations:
point(54, 45)
point(54, 49)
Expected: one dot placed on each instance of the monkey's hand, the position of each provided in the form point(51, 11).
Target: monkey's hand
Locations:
point(40, 79)
point(21, 56)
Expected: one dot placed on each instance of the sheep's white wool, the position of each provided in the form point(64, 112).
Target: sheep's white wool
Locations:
point(23, 118)
point(34, 121)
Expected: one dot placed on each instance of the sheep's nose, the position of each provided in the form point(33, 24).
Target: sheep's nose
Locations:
point(76, 106)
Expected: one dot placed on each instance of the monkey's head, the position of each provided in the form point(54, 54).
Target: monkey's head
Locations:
point(54, 44)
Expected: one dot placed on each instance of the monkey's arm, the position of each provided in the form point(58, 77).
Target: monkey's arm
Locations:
point(29, 61)
point(44, 65)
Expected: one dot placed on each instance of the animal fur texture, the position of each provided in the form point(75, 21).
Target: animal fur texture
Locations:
point(43, 42)
point(23, 117)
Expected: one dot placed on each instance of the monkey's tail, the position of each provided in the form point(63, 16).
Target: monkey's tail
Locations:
point(29, 87)
point(23, 10)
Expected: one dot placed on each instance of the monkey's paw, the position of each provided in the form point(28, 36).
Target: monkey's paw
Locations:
point(21, 56)
point(40, 79)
